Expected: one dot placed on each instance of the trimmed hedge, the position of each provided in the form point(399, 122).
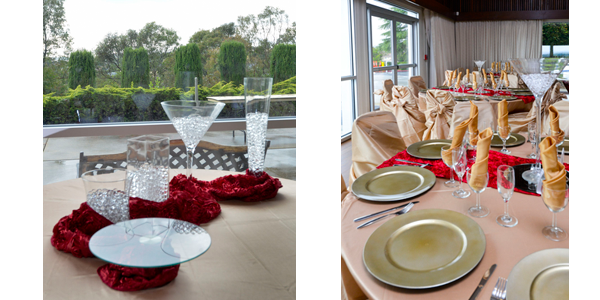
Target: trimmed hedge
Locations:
point(188, 64)
point(283, 62)
point(232, 62)
point(112, 104)
point(81, 69)
point(136, 68)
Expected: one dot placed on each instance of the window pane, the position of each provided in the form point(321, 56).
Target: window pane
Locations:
point(378, 78)
point(347, 106)
point(393, 8)
point(381, 31)
point(346, 53)
point(404, 43)
point(404, 74)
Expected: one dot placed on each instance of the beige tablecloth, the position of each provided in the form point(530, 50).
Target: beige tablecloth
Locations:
point(252, 256)
point(504, 246)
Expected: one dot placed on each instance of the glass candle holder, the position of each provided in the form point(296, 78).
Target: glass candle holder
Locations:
point(148, 167)
point(257, 92)
point(106, 194)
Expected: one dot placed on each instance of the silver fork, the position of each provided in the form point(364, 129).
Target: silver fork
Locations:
point(499, 292)
point(413, 162)
point(403, 211)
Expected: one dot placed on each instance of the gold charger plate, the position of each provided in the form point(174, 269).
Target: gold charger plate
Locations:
point(423, 90)
point(519, 90)
point(442, 87)
point(393, 183)
point(467, 98)
point(523, 93)
point(424, 249)
point(515, 139)
point(541, 275)
point(500, 98)
point(429, 149)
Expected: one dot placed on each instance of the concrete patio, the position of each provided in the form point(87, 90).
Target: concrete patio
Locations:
point(61, 155)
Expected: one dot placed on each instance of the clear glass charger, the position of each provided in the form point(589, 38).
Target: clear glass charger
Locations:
point(150, 242)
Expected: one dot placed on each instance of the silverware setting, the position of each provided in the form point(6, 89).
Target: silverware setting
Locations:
point(383, 211)
point(412, 162)
point(499, 292)
point(484, 279)
point(403, 211)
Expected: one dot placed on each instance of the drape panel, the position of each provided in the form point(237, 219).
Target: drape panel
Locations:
point(442, 46)
point(497, 41)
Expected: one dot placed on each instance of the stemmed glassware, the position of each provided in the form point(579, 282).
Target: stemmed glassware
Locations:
point(478, 183)
point(459, 162)
point(531, 133)
point(538, 74)
point(192, 120)
point(472, 137)
point(504, 134)
point(556, 201)
point(450, 183)
point(506, 186)
point(479, 64)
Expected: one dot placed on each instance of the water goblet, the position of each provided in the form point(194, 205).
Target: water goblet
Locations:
point(459, 162)
point(450, 183)
point(506, 186)
point(556, 200)
point(471, 141)
point(504, 134)
point(531, 131)
point(477, 183)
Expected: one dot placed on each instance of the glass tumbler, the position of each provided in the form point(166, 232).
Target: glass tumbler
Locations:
point(148, 167)
point(106, 194)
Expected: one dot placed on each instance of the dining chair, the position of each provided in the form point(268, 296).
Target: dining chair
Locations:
point(410, 120)
point(206, 156)
point(415, 84)
point(375, 138)
point(440, 107)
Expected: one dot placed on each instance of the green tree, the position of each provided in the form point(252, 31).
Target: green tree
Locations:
point(136, 68)
point(188, 65)
point(81, 69)
point(555, 34)
point(160, 42)
point(232, 62)
point(109, 55)
point(384, 49)
point(56, 34)
point(283, 62)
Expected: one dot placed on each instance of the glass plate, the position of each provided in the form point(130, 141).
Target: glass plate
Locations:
point(393, 183)
point(429, 149)
point(149, 242)
point(514, 140)
point(541, 275)
point(424, 249)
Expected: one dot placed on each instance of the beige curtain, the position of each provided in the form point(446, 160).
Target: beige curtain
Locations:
point(440, 106)
point(442, 43)
point(497, 41)
point(375, 138)
point(411, 121)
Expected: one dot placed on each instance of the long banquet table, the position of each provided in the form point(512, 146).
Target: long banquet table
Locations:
point(252, 256)
point(504, 246)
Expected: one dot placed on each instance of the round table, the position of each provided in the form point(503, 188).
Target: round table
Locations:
point(504, 246)
point(252, 256)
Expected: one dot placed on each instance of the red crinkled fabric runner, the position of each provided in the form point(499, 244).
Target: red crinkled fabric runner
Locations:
point(190, 200)
point(526, 99)
point(440, 169)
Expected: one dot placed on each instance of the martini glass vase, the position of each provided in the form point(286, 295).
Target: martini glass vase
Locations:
point(257, 92)
point(538, 74)
point(192, 120)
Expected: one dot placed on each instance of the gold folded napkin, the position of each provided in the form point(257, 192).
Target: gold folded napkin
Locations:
point(458, 80)
point(457, 139)
point(480, 167)
point(494, 84)
point(553, 116)
point(554, 172)
point(473, 131)
point(485, 81)
point(453, 75)
point(448, 78)
point(503, 113)
point(506, 83)
point(474, 80)
point(468, 76)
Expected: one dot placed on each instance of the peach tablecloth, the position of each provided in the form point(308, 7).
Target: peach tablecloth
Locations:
point(504, 246)
point(252, 256)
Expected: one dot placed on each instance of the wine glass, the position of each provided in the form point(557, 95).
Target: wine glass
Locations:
point(504, 134)
point(506, 186)
point(538, 74)
point(472, 139)
point(556, 200)
point(191, 120)
point(479, 64)
point(459, 162)
point(477, 183)
point(531, 134)
point(450, 183)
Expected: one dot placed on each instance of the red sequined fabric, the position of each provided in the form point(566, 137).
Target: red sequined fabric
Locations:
point(440, 169)
point(190, 200)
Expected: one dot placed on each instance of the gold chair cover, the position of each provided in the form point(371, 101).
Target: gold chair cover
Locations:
point(415, 84)
point(411, 121)
point(440, 107)
point(487, 116)
point(375, 138)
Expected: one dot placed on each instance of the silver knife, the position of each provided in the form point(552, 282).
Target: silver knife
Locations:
point(403, 211)
point(382, 212)
point(484, 279)
point(413, 162)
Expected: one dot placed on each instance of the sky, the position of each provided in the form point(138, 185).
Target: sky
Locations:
point(89, 21)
